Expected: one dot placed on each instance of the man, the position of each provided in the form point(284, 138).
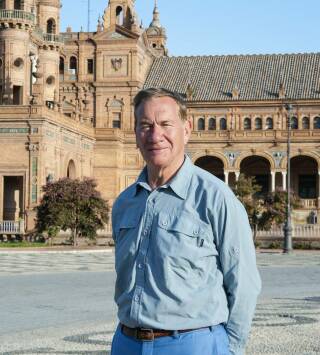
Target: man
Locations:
point(187, 280)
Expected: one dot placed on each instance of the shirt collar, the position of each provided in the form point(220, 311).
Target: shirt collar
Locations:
point(179, 183)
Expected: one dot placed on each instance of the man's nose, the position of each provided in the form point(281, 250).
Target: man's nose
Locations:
point(155, 134)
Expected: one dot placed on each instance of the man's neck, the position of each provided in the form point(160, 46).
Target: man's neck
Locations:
point(159, 177)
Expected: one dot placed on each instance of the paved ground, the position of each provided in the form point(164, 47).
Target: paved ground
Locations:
point(62, 304)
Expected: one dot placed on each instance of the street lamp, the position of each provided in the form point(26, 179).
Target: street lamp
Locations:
point(287, 229)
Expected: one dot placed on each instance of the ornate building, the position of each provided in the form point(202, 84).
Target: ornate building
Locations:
point(66, 107)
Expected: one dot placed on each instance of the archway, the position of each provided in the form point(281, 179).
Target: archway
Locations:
point(259, 168)
point(71, 170)
point(211, 164)
point(304, 175)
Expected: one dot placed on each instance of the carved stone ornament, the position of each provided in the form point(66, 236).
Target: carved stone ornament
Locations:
point(278, 156)
point(33, 147)
point(116, 63)
point(232, 156)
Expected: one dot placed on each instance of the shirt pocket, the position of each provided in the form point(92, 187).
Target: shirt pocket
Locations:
point(187, 234)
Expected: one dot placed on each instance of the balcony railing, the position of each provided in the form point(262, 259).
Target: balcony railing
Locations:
point(47, 37)
point(309, 203)
point(50, 37)
point(12, 227)
point(17, 15)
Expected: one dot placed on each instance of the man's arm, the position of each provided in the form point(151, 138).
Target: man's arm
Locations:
point(241, 278)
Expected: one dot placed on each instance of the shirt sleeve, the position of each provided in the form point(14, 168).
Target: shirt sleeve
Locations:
point(241, 278)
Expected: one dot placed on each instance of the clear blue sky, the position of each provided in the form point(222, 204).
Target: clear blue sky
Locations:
point(205, 27)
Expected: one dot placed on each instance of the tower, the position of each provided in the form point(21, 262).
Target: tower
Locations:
point(48, 15)
point(17, 19)
point(157, 34)
point(120, 13)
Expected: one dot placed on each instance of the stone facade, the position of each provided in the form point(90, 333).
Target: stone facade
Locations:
point(66, 106)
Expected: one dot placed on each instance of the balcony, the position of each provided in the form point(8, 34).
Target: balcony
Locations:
point(50, 37)
point(17, 16)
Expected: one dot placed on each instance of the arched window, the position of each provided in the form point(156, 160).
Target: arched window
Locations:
point(73, 63)
point(258, 123)
point(269, 123)
point(61, 66)
point(17, 5)
point(316, 123)
point(51, 26)
point(71, 170)
point(119, 15)
point(305, 123)
point(223, 124)
point(212, 124)
point(200, 124)
point(247, 123)
point(294, 123)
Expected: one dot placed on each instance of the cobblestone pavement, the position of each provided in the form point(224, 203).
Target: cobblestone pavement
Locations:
point(282, 324)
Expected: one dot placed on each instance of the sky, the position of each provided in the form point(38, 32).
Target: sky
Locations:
point(219, 27)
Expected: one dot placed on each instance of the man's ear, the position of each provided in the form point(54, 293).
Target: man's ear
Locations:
point(187, 130)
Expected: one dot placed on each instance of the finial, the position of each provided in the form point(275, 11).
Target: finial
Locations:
point(156, 16)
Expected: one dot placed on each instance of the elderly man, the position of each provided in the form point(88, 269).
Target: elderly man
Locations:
point(187, 280)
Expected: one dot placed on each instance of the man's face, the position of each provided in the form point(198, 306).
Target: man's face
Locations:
point(160, 133)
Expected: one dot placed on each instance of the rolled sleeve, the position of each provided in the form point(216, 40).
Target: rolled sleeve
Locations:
point(241, 278)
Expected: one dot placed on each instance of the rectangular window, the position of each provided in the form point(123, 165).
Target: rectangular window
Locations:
point(90, 66)
point(116, 123)
point(17, 95)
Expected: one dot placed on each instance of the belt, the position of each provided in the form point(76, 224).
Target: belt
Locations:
point(151, 334)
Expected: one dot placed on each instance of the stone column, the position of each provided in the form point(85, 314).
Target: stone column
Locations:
point(17, 205)
point(237, 173)
point(318, 200)
point(226, 177)
point(273, 181)
point(284, 180)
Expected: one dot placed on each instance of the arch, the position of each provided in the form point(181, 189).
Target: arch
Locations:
point(223, 124)
point(71, 169)
point(296, 154)
point(119, 15)
point(316, 122)
point(294, 122)
point(201, 124)
point(305, 123)
point(212, 124)
point(211, 164)
point(61, 65)
point(73, 63)
point(247, 123)
point(304, 176)
point(51, 26)
point(258, 167)
point(258, 123)
point(269, 123)
point(261, 154)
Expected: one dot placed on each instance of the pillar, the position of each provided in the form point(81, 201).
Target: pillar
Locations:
point(226, 177)
point(17, 204)
point(273, 181)
point(284, 180)
point(1, 197)
point(237, 173)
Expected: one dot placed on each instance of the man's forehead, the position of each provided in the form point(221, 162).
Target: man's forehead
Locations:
point(158, 104)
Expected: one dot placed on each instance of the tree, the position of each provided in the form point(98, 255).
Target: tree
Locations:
point(263, 209)
point(72, 204)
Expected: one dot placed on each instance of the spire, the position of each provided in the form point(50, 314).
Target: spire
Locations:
point(156, 16)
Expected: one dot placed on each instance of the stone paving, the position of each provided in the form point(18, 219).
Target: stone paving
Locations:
point(282, 325)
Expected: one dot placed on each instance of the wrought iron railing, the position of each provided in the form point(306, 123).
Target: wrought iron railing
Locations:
point(12, 227)
point(17, 15)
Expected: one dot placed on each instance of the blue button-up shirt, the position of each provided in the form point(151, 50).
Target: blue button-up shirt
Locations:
point(184, 256)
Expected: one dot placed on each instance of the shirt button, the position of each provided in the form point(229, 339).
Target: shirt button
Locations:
point(165, 223)
point(145, 232)
point(140, 266)
point(136, 298)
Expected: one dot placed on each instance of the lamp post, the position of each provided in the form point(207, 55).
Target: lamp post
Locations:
point(287, 229)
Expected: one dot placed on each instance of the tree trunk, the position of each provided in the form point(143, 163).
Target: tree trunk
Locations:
point(74, 237)
point(255, 230)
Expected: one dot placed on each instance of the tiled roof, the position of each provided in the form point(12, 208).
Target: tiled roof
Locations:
point(257, 77)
